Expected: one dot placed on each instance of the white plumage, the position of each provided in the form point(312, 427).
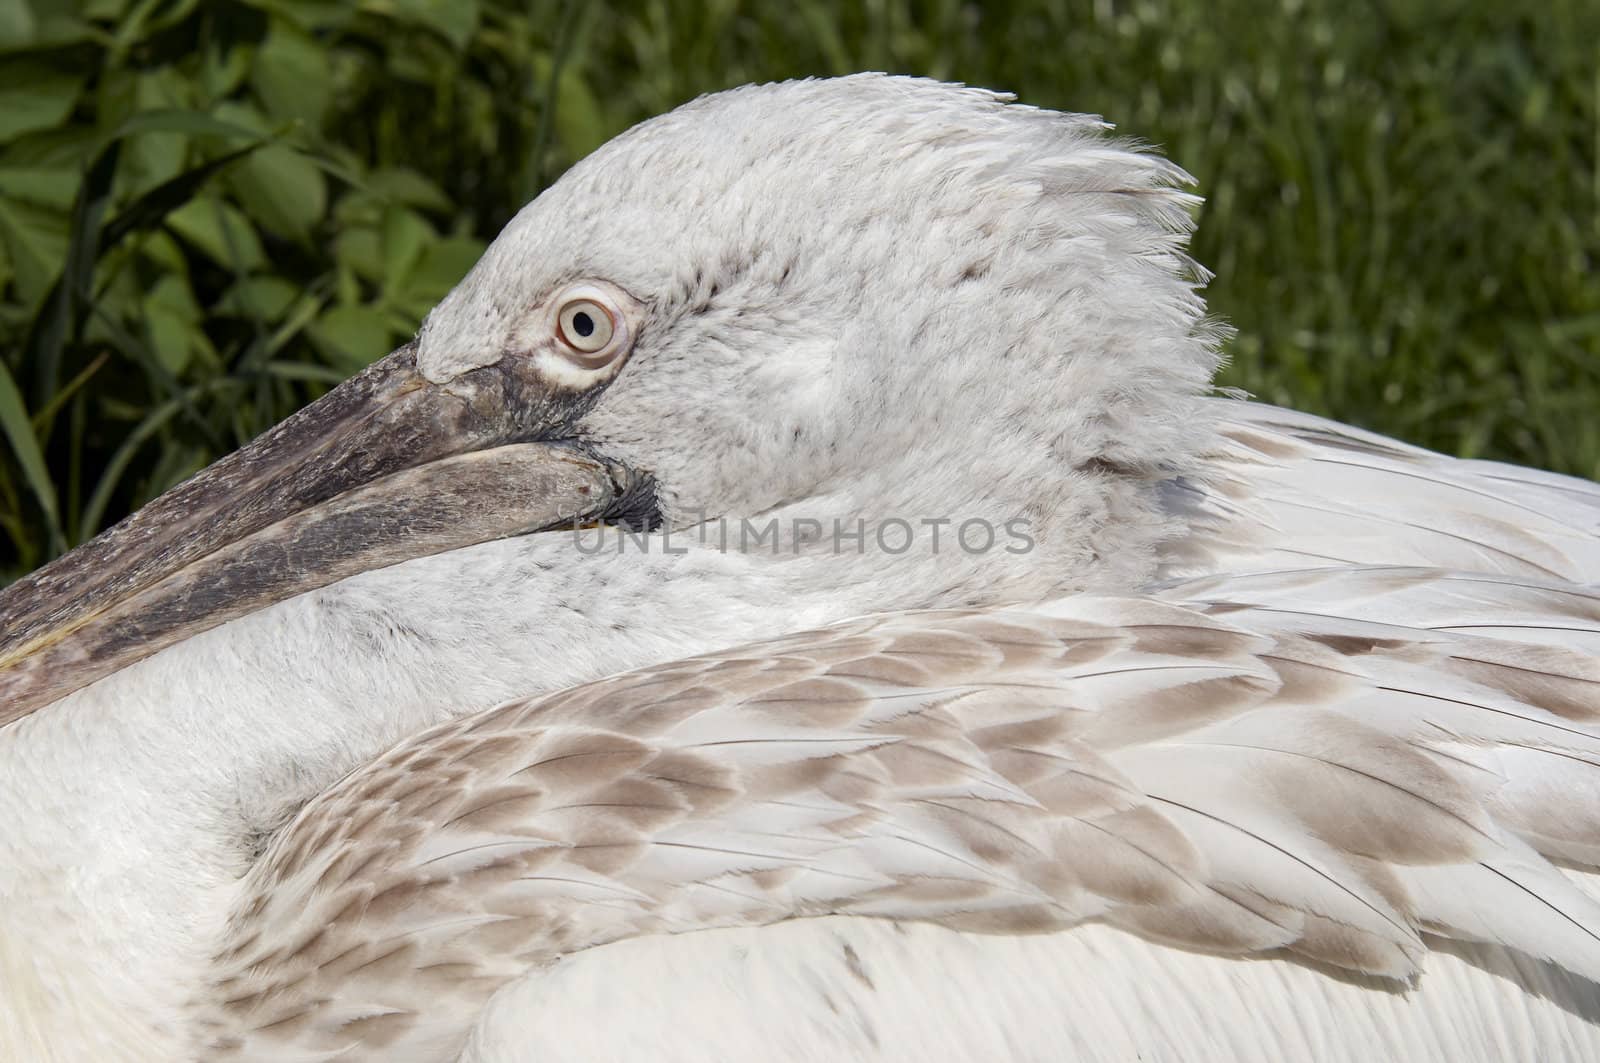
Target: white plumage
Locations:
point(1281, 741)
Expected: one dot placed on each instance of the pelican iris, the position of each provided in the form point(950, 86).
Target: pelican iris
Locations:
point(1262, 737)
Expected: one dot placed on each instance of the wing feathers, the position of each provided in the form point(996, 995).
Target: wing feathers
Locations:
point(1288, 490)
point(1222, 766)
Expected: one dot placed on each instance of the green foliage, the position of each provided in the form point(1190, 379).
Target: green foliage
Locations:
point(212, 211)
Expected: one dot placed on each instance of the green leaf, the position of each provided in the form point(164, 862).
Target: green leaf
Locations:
point(338, 169)
point(405, 234)
point(442, 266)
point(290, 74)
point(43, 100)
point(265, 298)
point(57, 29)
point(352, 337)
point(361, 251)
point(220, 232)
point(171, 293)
point(150, 209)
point(194, 123)
point(45, 186)
point(281, 189)
point(116, 99)
point(156, 155)
point(309, 14)
point(17, 24)
point(169, 339)
point(36, 242)
point(18, 429)
point(104, 9)
point(298, 317)
point(224, 67)
point(455, 20)
point(410, 188)
point(161, 251)
point(400, 323)
point(143, 25)
point(69, 146)
point(580, 121)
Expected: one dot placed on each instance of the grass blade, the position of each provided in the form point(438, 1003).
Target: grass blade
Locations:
point(94, 512)
point(58, 316)
point(46, 415)
point(18, 429)
point(152, 208)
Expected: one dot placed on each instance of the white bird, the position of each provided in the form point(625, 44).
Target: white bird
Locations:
point(1208, 730)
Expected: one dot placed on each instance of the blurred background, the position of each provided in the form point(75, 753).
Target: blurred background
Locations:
point(210, 212)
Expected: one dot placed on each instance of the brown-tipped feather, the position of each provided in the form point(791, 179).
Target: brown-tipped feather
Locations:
point(1237, 782)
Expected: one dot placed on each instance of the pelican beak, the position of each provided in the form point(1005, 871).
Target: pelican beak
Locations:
point(386, 467)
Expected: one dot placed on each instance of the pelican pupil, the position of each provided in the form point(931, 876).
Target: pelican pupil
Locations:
point(583, 324)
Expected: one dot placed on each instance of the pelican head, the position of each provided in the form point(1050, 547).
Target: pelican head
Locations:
point(867, 298)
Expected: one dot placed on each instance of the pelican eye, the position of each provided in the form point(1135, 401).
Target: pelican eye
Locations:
point(587, 326)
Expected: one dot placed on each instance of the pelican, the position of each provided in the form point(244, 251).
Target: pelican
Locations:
point(800, 598)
